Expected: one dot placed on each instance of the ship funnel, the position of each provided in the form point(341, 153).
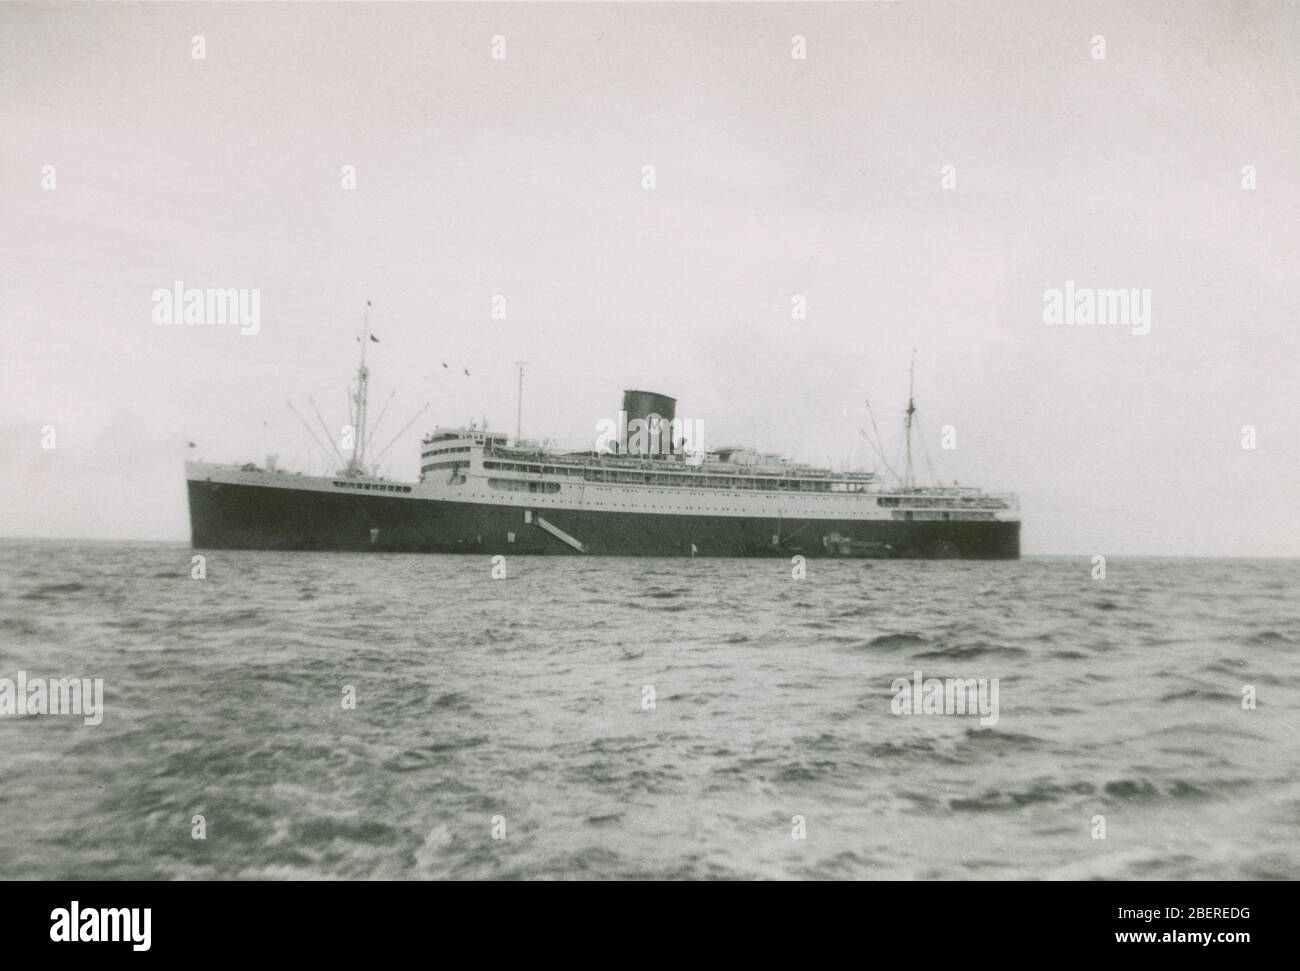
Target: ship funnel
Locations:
point(645, 405)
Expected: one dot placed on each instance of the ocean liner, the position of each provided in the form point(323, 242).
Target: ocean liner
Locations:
point(481, 492)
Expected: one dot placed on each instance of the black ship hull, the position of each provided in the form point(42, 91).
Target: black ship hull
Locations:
point(237, 516)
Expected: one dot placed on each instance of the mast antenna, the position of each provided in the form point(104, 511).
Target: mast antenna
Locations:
point(519, 410)
point(908, 481)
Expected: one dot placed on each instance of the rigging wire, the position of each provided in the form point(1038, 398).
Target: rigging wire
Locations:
point(876, 448)
point(401, 433)
point(925, 451)
point(325, 428)
point(323, 449)
point(383, 411)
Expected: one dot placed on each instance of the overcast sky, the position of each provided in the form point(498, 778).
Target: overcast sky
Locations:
point(774, 177)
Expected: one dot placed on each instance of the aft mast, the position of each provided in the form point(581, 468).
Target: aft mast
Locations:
point(908, 479)
point(357, 465)
point(519, 412)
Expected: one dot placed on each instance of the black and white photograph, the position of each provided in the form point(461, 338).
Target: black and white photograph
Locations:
point(650, 442)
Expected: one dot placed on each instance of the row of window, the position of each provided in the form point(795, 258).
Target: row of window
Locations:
point(442, 451)
point(915, 502)
point(533, 469)
point(675, 493)
point(677, 479)
point(371, 486)
point(519, 485)
point(550, 488)
point(962, 516)
point(441, 465)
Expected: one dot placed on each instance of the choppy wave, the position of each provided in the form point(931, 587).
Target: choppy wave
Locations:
point(409, 716)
